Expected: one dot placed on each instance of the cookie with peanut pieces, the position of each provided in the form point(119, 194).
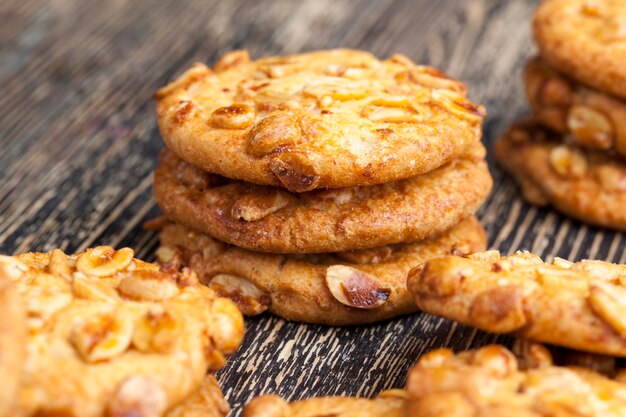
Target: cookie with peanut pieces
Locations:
point(12, 340)
point(490, 381)
point(390, 403)
point(112, 335)
point(578, 305)
point(325, 119)
point(585, 184)
point(588, 117)
point(270, 219)
point(586, 40)
point(336, 289)
point(207, 401)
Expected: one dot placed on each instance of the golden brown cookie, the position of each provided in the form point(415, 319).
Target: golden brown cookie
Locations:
point(207, 401)
point(325, 119)
point(585, 39)
point(577, 305)
point(489, 382)
point(12, 340)
point(269, 219)
point(390, 403)
point(112, 335)
point(336, 289)
point(587, 185)
point(588, 117)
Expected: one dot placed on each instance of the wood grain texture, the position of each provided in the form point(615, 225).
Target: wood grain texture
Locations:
point(79, 141)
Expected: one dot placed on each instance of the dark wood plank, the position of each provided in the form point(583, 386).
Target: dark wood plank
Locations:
point(79, 141)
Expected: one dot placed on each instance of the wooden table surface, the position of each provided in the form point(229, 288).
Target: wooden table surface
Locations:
point(79, 141)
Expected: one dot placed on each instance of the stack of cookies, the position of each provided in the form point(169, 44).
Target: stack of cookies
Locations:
point(309, 185)
point(571, 156)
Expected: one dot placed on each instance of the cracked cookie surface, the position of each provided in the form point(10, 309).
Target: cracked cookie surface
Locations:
point(269, 219)
point(578, 305)
point(491, 382)
point(112, 335)
point(324, 119)
point(337, 289)
point(586, 40)
point(585, 184)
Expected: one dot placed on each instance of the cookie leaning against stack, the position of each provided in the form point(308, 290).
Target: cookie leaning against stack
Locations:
point(572, 156)
point(107, 334)
point(331, 173)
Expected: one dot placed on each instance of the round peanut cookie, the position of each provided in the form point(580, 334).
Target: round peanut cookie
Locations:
point(585, 39)
point(587, 185)
point(391, 403)
point(12, 339)
point(588, 117)
point(491, 382)
point(112, 335)
point(325, 119)
point(269, 219)
point(335, 289)
point(578, 305)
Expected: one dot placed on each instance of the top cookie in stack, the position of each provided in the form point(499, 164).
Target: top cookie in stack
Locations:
point(572, 155)
point(331, 173)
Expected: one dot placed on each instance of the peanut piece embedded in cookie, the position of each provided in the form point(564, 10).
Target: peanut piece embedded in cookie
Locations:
point(578, 305)
point(582, 183)
point(568, 162)
point(112, 335)
point(590, 118)
point(250, 299)
point(318, 120)
point(491, 382)
point(355, 288)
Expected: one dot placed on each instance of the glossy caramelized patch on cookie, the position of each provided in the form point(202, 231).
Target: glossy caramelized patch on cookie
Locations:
point(270, 219)
point(491, 382)
point(112, 335)
point(391, 403)
point(592, 119)
point(337, 289)
point(578, 305)
point(587, 185)
point(585, 39)
point(323, 119)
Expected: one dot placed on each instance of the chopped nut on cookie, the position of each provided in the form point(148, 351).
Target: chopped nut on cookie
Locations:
point(578, 305)
point(109, 334)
